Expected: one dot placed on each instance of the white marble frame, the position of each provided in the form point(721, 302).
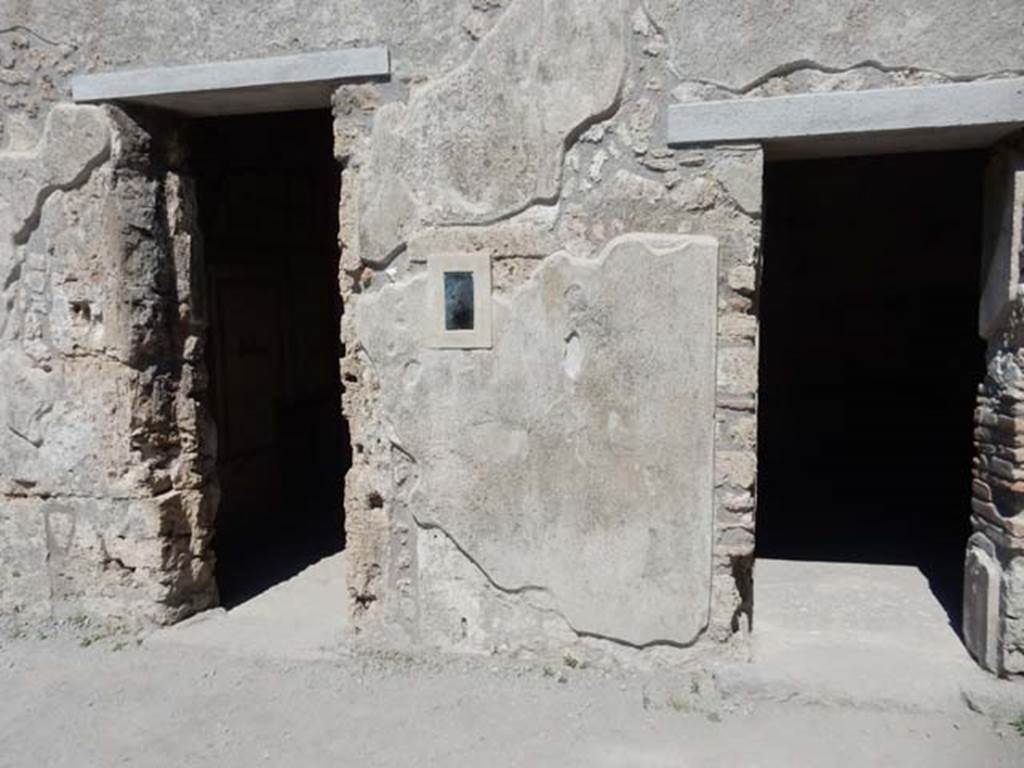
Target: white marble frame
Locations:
point(479, 264)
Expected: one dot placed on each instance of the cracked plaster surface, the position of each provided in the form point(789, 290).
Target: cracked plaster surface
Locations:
point(572, 463)
point(486, 140)
point(75, 142)
point(615, 178)
point(739, 45)
point(92, 473)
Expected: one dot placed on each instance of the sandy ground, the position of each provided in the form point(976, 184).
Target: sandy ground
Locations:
point(65, 705)
point(265, 685)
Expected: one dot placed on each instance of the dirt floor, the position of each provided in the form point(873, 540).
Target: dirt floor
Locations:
point(260, 686)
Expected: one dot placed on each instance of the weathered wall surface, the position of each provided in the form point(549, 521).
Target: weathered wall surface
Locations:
point(529, 130)
point(572, 462)
point(492, 504)
point(722, 50)
point(98, 492)
point(738, 44)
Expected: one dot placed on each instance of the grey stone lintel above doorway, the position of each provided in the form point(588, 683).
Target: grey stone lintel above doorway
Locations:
point(274, 84)
point(919, 118)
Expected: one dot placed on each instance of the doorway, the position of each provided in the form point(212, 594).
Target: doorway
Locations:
point(267, 190)
point(869, 362)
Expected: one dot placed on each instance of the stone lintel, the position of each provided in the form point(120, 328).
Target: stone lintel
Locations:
point(857, 122)
point(275, 84)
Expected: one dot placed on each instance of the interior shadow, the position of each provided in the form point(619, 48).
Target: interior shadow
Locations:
point(869, 362)
point(267, 195)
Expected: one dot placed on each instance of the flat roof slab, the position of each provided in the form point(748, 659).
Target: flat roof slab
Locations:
point(858, 122)
point(279, 83)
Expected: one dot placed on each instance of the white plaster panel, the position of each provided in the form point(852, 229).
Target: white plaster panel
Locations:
point(573, 462)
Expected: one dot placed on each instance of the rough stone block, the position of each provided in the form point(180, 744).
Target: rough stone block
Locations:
point(981, 602)
point(740, 176)
point(737, 369)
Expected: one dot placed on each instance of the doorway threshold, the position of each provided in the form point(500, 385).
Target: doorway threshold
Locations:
point(859, 635)
point(305, 618)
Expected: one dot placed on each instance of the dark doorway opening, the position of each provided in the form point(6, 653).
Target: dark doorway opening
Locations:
point(267, 196)
point(869, 362)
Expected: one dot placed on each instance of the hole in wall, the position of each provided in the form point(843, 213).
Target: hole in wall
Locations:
point(572, 356)
point(267, 193)
point(81, 311)
point(870, 359)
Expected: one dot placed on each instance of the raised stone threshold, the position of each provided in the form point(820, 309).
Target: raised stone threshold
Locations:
point(275, 84)
point(920, 118)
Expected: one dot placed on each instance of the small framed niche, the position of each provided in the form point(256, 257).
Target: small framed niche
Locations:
point(459, 288)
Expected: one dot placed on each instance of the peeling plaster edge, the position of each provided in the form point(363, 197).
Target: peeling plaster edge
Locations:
point(431, 526)
point(580, 633)
point(22, 235)
point(572, 136)
point(800, 65)
point(655, 241)
point(821, 115)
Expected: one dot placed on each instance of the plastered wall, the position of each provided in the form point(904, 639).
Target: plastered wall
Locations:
point(531, 131)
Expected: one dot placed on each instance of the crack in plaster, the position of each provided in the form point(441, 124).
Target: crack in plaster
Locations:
point(34, 442)
point(655, 25)
point(799, 65)
point(36, 35)
point(31, 223)
point(429, 526)
point(527, 588)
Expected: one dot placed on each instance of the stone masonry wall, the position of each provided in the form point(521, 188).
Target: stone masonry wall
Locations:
point(529, 130)
point(389, 236)
point(994, 565)
point(101, 488)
